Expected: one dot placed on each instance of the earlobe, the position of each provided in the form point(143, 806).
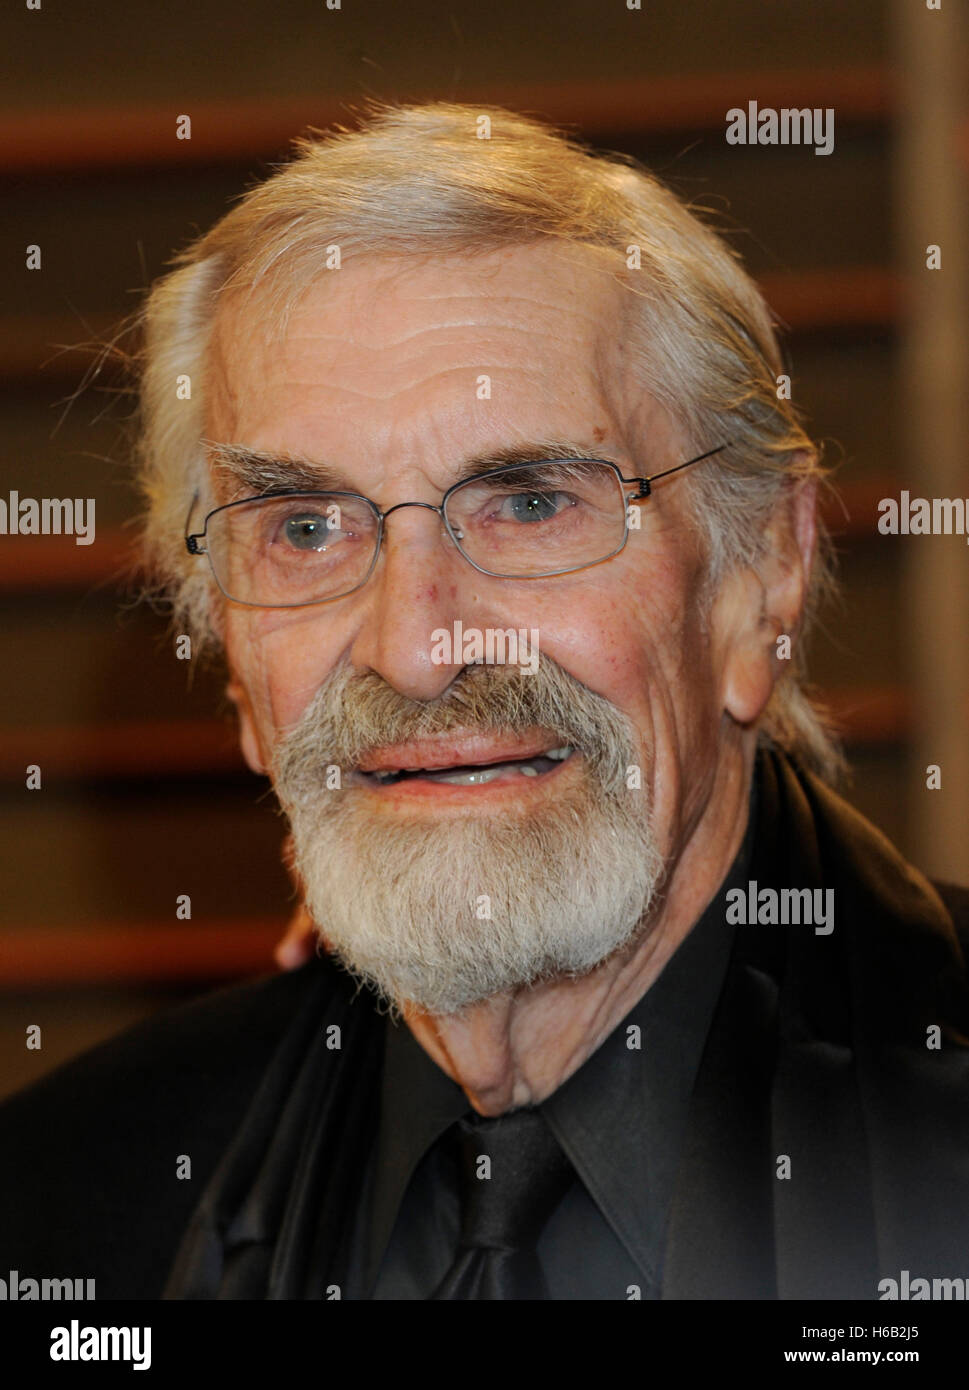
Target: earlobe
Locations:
point(248, 737)
point(762, 610)
point(749, 632)
point(750, 673)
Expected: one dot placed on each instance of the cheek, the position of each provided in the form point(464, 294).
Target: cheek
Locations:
point(648, 650)
point(648, 627)
point(616, 650)
point(282, 660)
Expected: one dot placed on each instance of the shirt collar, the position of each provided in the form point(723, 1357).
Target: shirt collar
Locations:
point(620, 1117)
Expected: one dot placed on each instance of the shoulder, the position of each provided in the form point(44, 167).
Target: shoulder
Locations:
point(827, 832)
point(896, 956)
point(89, 1154)
point(227, 1030)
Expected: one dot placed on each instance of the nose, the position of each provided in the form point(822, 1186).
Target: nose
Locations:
point(421, 584)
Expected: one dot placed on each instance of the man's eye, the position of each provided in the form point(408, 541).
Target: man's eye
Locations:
point(534, 506)
point(309, 531)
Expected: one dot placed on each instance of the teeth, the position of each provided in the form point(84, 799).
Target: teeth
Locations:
point(475, 776)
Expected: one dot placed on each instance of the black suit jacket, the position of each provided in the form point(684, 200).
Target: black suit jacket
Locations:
point(827, 1147)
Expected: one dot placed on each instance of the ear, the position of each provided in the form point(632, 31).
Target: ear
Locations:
point(248, 735)
point(235, 690)
point(765, 602)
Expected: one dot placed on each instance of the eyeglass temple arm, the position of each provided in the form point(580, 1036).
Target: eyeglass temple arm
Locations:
point(645, 484)
point(192, 542)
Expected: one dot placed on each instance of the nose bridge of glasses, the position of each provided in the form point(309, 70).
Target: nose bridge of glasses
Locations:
point(429, 506)
point(398, 506)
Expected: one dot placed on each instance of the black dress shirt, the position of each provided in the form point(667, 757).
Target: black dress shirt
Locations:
point(619, 1117)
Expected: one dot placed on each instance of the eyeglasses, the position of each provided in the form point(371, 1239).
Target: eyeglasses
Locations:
point(288, 549)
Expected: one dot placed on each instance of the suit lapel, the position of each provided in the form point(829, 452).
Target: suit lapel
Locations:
point(274, 1222)
point(759, 1205)
point(806, 1171)
point(823, 1219)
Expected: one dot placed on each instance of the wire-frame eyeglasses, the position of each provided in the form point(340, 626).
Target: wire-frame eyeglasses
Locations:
point(289, 548)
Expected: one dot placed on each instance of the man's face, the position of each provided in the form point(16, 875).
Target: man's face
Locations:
point(378, 376)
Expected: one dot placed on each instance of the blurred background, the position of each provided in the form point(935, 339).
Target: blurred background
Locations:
point(144, 795)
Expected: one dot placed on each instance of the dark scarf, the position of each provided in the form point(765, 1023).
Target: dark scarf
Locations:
point(817, 1054)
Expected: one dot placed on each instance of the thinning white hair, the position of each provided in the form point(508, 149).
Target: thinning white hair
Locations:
point(417, 180)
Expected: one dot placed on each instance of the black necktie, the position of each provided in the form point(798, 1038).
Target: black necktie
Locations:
point(505, 1203)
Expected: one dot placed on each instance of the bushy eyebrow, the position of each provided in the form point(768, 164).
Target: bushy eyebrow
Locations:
point(255, 472)
point(536, 452)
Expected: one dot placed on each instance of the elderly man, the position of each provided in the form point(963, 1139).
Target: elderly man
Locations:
point(510, 543)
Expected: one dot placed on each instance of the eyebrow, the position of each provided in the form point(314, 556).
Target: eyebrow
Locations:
point(256, 472)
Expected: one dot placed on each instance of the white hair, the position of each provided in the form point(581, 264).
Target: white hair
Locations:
point(414, 180)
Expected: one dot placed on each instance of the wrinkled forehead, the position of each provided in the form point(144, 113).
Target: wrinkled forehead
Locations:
point(548, 307)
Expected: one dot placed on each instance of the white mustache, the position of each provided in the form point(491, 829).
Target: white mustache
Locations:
point(355, 714)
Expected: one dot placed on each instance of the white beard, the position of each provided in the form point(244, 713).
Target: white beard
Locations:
point(447, 912)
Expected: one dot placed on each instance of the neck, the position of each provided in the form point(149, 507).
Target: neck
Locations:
point(518, 1047)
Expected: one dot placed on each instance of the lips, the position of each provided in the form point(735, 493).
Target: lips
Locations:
point(465, 761)
point(456, 751)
